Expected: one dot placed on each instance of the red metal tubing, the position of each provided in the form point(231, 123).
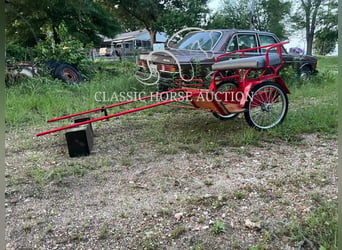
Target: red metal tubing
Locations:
point(111, 106)
point(270, 46)
point(111, 116)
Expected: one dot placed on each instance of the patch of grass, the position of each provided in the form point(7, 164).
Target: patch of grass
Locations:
point(27, 227)
point(203, 201)
point(327, 62)
point(208, 183)
point(126, 161)
point(103, 232)
point(165, 212)
point(218, 228)
point(317, 227)
point(264, 243)
point(38, 174)
point(76, 236)
point(12, 181)
point(239, 194)
point(49, 229)
point(177, 232)
point(313, 108)
point(35, 100)
point(41, 176)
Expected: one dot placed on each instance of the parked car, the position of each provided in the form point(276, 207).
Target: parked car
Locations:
point(193, 55)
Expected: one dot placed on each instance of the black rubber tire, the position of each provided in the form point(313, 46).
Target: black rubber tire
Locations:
point(52, 65)
point(305, 73)
point(219, 88)
point(266, 106)
point(68, 73)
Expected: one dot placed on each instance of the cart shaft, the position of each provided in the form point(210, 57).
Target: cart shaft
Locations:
point(111, 116)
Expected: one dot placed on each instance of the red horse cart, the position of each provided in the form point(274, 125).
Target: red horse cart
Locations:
point(249, 85)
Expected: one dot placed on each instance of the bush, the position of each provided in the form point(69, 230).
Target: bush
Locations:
point(290, 76)
point(15, 52)
point(72, 52)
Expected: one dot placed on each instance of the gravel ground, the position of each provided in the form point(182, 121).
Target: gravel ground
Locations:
point(124, 197)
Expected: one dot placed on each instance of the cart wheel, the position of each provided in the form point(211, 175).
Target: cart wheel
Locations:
point(266, 106)
point(224, 86)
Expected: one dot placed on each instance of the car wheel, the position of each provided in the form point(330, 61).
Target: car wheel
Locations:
point(68, 73)
point(305, 73)
point(225, 86)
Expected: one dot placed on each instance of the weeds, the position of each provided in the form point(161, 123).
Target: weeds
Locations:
point(103, 231)
point(177, 232)
point(218, 228)
point(313, 108)
point(318, 227)
point(239, 194)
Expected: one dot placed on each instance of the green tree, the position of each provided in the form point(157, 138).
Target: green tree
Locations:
point(183, 14)
point(309, 10)
point(28, 21)
point(157, 16)
point(267, 20)
point(258, 14)
point(233, 15)
point(140, 14)
point(327, 34)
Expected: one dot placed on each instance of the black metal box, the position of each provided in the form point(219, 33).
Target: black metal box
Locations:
point(83, 119)
point(79, 140)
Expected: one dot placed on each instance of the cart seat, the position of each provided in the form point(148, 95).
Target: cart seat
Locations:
point(254, 62)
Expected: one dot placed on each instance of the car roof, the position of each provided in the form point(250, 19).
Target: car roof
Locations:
point(238, 31)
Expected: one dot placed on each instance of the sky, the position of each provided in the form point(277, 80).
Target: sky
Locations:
point(214, 4)
point(296, 40)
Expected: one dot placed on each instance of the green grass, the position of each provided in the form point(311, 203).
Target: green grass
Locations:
point(313, 108)
point(318, 227)
point(327, 62)
point(218, 228)
point(35, 100)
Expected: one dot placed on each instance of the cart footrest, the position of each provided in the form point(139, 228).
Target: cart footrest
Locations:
point(233, 107)
point(204, 98)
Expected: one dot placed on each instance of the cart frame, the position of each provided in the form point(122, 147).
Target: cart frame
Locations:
point(237, 73)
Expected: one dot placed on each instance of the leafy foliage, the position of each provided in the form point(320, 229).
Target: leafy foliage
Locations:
point(314, 12)
point(70, 51)
point(190, 13)
point(266, 20)
point(327, 34)
point(234, 14)
point(15, 52)
point(325, 41)
point(31, 21)
point(167, 15)
point(238, 14)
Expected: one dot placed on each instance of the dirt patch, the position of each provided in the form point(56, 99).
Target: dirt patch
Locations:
point(127, 195)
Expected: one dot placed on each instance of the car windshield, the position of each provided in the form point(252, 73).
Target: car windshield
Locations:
point(199, 41)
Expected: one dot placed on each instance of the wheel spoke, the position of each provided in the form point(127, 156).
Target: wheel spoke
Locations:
point(267, 106)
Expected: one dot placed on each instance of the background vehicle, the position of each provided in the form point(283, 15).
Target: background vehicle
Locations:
point(193, 56)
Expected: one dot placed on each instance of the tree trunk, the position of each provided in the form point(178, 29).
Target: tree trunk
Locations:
point(153, 34)
point(309, 42)
point(55, 35)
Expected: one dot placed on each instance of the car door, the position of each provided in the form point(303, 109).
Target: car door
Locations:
point(267, 39)
point(242, 41)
